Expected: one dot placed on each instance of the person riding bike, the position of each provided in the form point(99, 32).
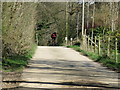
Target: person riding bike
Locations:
point(53, 36)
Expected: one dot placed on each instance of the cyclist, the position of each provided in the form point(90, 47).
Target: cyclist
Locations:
point(53, 36)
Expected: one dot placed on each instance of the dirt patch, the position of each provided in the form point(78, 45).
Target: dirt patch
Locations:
point(8, 77)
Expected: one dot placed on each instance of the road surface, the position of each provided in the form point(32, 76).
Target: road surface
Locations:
point(61, 67)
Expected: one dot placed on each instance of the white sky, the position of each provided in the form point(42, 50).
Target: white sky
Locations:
point(58, 0)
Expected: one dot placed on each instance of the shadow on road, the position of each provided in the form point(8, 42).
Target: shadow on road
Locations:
point(98, 85)
point(72, 65)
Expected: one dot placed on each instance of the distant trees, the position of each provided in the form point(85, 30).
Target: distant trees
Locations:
point(101, 22)
point(23, 23)
point(106, 15)
point(50, 18)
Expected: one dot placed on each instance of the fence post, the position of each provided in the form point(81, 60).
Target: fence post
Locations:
point(84, 42)
point(91, 44)
point(116, 53)
point(85, 31)
point(88, 43)
point(99, 46)
point(85, 38)
point(95, 45)
point(66, 40)
point(71, 39)
point(37, 38)
point(108, 47)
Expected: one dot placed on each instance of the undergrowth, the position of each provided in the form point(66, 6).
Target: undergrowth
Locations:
point(104, 60)
point(17, 62)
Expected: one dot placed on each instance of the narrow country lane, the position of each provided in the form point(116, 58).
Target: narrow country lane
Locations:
point(61, 67)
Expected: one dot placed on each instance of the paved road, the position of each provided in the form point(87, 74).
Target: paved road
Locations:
point(61, 67)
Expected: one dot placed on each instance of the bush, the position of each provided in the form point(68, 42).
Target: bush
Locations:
point(77, 44)
point(17, 62)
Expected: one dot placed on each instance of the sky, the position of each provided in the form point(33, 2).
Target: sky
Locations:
point(59, 0)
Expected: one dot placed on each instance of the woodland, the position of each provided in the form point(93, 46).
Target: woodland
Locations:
point(27, 24)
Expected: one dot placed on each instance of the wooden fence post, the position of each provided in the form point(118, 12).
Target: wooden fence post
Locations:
point(88, 43)
point(84, 42)
point(99, 46)
point(116, 53)
point(85, 31)
point(71, 40)
point(85, 39)
point(66, 40)
point(95, 45)
point(91, 44)
point(108, 47)
point(37, 38)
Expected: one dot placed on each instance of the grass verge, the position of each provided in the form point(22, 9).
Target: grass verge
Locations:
point(105, 61)
point(17, 62)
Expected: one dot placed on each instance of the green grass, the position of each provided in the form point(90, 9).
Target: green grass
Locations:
point(104, 60)
point(14, 63)
point(17, 62)
point(0, 65)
